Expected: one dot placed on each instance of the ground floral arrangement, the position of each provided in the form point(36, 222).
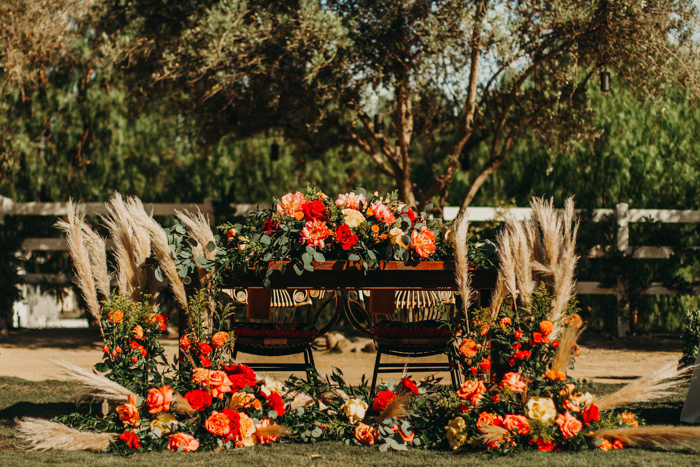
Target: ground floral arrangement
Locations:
point(514, 355)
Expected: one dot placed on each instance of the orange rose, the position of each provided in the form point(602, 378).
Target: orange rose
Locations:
point(488, 418)
point(138, 332)
point(219, 384)
point(128, 413)
point(219, 339)
point(116, 316)
point(505, 322)
point(605, 445)
point(423, 242)
point(246, 427)
point(546, 328)
point(550, 374)
point(516, 423)
point(568, 424)
point(159, 400)
point(364, 434)
point(182, 441)
point(467, 348)
point(262, 439)
point(514, 381)
point(471, 391)
point(217, 424)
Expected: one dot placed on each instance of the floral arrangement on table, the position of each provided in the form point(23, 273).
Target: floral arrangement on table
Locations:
point(515, 356)
point(355, 226)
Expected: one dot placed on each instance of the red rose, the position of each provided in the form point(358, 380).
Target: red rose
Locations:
point(131, 439)
point(517, 334)
point(382, 399)
point(591, 414)
point(199, 400)
point(411, 215)
point(234, 423)
point(240, 376)
point(275, 402)
point(313, 210)
point(205, 348)
point(269, 225)
point(408, 385)
point(345, 237)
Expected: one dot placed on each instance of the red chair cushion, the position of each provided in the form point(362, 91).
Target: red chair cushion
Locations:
point(289, 330)
point(398, 329)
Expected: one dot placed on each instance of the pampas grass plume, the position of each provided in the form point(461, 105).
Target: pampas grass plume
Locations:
point(93, 386)
point(397, 408)
point(43, 435)
point(492, 433)
point(567, 342)
point(661, 437)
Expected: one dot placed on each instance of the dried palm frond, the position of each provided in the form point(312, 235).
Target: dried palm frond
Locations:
point(181, 406)
point(93, 386)
point(397, 408)
point(43, 435)
point(662, 437)
point(492, 433)
point(73, 228)
point(462, 276)
point(161, 248)
point(567, 343)
point(97, 254)
point(654, 385)
point(275, 431)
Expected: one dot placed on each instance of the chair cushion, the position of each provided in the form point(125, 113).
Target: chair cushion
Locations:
point(289, 330)
point(398, 329)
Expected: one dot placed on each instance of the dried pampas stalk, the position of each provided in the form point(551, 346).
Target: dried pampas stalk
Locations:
point(97, 253)
point(462, 276)
point(161, 248)
point(567, 342)
point(142, 248)
point(397, 408)
point(497, 297)
point(492, 433)
point(73, 228)
point(522, 255)
point(198, 227)
point(276, 431)
point(662, 437)
point(118, 223)
point(655, 385)
point(93, 386)
point(43, 435)
point(506, 264)
point(545, 215)
point(181, 406)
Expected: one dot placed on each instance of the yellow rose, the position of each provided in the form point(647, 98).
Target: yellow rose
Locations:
point(395, 235)
point(353, 218)
point(166, 422)
point(354, 409)
point(454, 432)
point(542, 409)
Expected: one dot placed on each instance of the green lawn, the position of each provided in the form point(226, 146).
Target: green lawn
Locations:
point(47, 398)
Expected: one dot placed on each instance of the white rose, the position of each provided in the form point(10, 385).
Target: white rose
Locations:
point(542, 409)
point(354, 409)
point(243, 243)
point(395, 235)
point(353, 218)
point(273, 385)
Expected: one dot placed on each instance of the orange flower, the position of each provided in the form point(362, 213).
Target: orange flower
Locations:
point(546, 328)
point(407, 438)
point(561, 376)
point(217, 424)
point(514, 381)
point(185, 343)
point(605, 445)
point(485, 328)
point(128, 413)
point(423, 242)
point(375, 228)
point(550, 374)
point(467, 348)
point(488, 418)
point(619, 444)
point(505, 322)
point(219, 384)
point(471, 391)
point(116, 316)
point(262, 439)
point(159, 400)
point(138, 332)
point(628, 417)
point(575, 319)
point(291, 205)
point(568, 424)
point(364, 434)
point(516, 423)
point(184, 441)
point(219, 339)
point(314, 233)
point(246, 427)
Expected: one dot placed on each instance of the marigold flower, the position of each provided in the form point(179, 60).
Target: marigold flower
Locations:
point(375, 228)
point(219, 339)
point(116, 316)
point(138, 332)
point(468, 348)
point(546, 327)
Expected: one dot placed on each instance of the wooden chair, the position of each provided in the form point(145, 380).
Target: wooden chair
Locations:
point(280, 322)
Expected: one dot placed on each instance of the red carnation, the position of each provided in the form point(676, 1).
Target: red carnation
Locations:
point(205, 361)
point(205, 348)
point(131, 439)
point(198, 399)
point(382, 399)
point(345, 237)
point(275, 402)
point(313, 210)
point(408, 385)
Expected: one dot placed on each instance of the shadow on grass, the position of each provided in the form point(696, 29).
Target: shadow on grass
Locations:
point(31, 409)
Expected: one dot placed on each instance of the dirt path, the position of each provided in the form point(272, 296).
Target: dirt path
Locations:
point(27, 353)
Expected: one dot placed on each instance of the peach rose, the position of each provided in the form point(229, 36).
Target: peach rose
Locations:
point(471, 391)
point(467, 348)
point(182, 441)
point(514, 382)
point(262, 438)
point(246, 427)
point(219, 384)
point(219, 339)
point(116, 316)
point(128, 413)
point(568, 424)
point(217, 424)
point(314, 233)
point(290, 205)
point(350, 201)
point(364, 434)
point(352, 218)
point(354, 409)
point(423, 242)
point(159, 400)
point(138, 332)
point(516, 423)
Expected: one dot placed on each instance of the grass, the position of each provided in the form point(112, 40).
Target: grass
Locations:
point(20, 398)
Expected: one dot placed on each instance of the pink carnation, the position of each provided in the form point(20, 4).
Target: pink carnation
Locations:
point(314, 233)
point(291, 205)
point(383, 213)
point(350, 201)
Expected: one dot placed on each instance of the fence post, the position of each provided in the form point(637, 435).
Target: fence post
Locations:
point(623, 243)
point(209, 210)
